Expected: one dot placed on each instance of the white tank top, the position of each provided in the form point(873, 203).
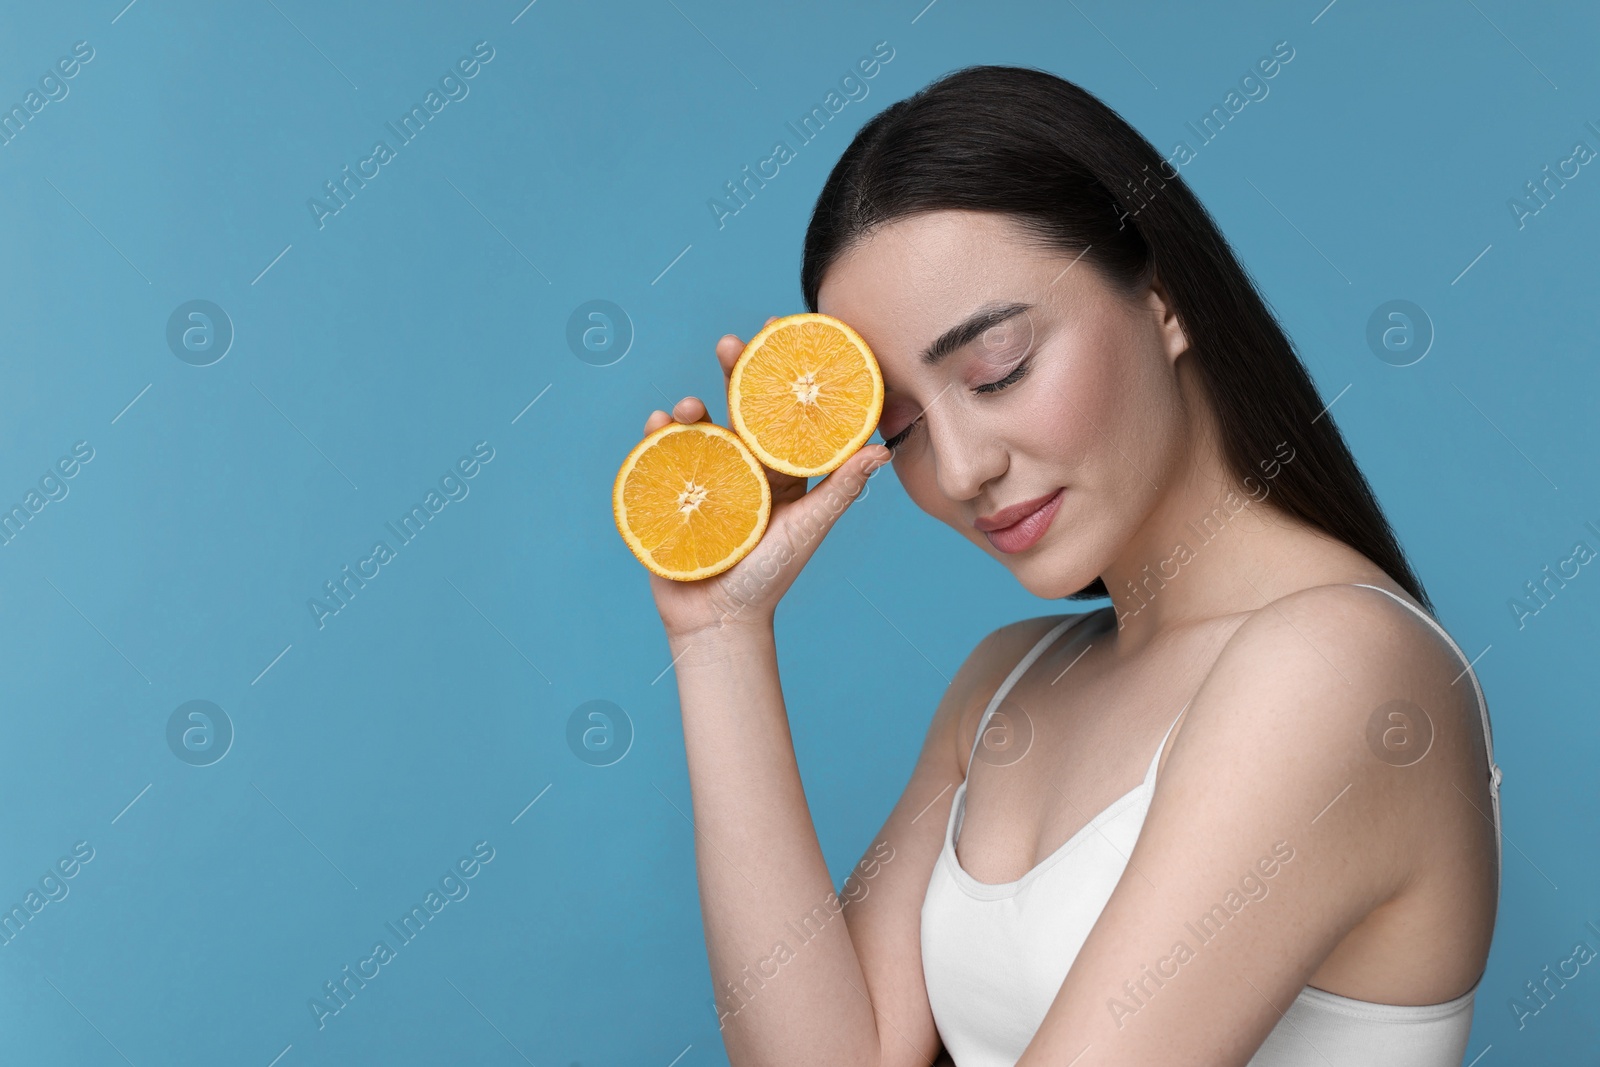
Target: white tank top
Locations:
point(994, 955)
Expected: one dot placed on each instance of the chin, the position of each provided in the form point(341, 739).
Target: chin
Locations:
point(1053, 589)
point(1049, 577)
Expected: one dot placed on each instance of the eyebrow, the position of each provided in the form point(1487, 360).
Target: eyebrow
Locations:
point(968, 331)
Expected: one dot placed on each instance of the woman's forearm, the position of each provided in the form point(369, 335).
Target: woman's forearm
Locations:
point(789, 986)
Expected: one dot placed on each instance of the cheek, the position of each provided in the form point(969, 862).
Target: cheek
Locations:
point(1067, 420)
point(1120, 414)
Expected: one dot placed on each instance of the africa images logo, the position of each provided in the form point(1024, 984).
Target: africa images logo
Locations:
point(452, 84)
point(453, 887)
point(453, 485)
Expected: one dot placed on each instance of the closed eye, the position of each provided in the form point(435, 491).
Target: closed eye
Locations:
point(1009, 380)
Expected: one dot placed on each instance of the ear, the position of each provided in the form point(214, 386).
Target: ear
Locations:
point(1173, 337)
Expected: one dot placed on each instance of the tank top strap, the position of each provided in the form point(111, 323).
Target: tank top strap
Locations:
point(1162, 747)
point(1483, 709)
point(1017, 672)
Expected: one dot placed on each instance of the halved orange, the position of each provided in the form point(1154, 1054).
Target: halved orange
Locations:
point(690, 500)
point(805, 394)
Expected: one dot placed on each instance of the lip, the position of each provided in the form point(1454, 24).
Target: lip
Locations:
point(1026, 528)
point(1012, 515)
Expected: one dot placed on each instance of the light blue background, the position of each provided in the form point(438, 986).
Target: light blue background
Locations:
point(424, 318)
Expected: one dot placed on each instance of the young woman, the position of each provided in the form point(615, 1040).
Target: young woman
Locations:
point(1247, 812)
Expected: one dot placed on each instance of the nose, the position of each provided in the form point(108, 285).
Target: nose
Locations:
point(966, 457)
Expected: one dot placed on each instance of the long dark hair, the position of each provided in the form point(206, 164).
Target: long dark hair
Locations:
point(1026, 143)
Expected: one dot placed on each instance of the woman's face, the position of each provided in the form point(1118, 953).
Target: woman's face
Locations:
point(1022, 380)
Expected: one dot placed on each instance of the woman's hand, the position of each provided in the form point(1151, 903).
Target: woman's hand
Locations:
point(748, 592)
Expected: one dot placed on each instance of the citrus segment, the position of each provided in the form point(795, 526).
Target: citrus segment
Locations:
point(805, 394)
point(690, 500)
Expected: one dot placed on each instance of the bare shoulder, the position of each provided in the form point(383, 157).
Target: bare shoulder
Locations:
point(1347, 687)
point(1360, 636)
point(981, 674)
point(1360, 647)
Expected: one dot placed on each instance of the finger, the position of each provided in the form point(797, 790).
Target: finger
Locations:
point(822, 506)
point(657, 419)
point(728, 349)
point(867, 459)
point(691, 409)
point(845, 484)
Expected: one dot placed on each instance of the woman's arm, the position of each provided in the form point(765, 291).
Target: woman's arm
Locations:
point(846, 987)
point(760, 866)
point(803, 976)
point(784, 996)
